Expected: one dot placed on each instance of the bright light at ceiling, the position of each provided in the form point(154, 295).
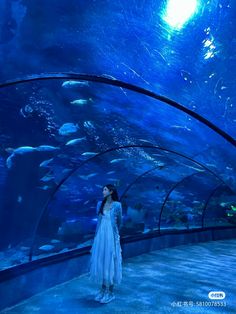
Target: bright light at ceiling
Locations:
point(178, 12)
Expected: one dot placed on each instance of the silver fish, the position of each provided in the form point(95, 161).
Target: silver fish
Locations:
point(47, 178)
point(46, 247)
point(76, 141)
point(89, 154)
point(116, 160)
point(24, 149)
point(68, 128)
point(67, 84)
point(79, 102)
point(46, 162)
point(88, 176)
point(47, 148)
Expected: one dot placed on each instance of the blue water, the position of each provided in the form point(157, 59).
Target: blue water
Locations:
point(61, 140)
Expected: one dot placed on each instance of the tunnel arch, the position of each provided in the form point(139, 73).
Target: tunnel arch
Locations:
point(69, 174)
point(208, 200)
point(118, 83)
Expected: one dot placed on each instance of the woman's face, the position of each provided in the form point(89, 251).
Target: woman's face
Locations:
point(106, 191)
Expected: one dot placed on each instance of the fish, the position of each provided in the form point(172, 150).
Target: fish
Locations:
point(181, 127)
point(66, 170)
point(64, 188)
point(45, 162)
point(76, 141)
point(47, 148)
point(9, 150)
point(24, 149)
point(68, 128)
point(110, 172)
point(45, 187)
point(81, 102)
point(160, 164)
point(223, 204)
point(89, 154)
point(68, 84)
point(211, 75)
point(28, 149)
point(89, 125)
point(88, 176)
point(19, 199)
point(146, 141)
point(75, 200)
point(71, 220)
point(55, 241)
point(17, 151)
point(98, 185)
point(116, 160)
point(47, 177)
point(210, 165)
point(194, 168)
point(46, 247)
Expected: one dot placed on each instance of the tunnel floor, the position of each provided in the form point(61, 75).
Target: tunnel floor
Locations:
point(156, 282)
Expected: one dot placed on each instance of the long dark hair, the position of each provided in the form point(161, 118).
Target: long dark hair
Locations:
point(114, 196)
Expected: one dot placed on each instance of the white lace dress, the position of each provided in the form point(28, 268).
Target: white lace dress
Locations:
point(106, 258)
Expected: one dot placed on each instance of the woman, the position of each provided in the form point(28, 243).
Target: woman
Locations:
point(106, 258)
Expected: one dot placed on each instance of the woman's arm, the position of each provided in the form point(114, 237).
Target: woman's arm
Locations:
point(98, 206)
point(119, 217)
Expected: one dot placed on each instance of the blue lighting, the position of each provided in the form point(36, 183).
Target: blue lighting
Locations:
point(178, 12)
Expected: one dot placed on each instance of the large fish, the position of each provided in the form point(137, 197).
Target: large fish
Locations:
point(76, 141)
point(79, 102)
point(68, 128)
point(47, 148)
point(88, 176)
point(68, 84)
point(17, 151)
point(89, 154)
point(46, 247)
point(116, 160)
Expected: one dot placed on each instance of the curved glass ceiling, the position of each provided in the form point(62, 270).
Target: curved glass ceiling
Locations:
point(173, 158)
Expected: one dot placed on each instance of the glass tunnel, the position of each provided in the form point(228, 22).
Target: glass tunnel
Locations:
point(137, 94)
point(166, 178)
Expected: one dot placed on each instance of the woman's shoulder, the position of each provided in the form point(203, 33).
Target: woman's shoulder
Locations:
point(117, 203)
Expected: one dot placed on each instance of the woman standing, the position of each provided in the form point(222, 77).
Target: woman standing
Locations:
point(106, 258)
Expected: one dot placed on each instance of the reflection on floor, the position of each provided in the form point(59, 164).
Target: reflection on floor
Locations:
point(172, 280)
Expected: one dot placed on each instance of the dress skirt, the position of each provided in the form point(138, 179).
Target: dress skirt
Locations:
point(106, 259)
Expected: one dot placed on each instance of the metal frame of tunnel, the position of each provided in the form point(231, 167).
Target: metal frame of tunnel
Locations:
point(168, 194)
point(69, 174)
point(208, 200)
point(118, 83)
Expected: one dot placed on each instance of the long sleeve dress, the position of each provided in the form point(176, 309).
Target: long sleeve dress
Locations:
point(106, 258)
